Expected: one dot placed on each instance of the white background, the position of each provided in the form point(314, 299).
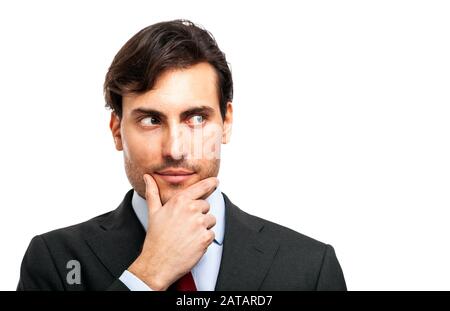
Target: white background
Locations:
point(341, 124)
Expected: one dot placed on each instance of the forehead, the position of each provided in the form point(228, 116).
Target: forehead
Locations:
point(178, 89)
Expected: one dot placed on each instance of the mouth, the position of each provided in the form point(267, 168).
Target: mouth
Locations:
point(175, 176)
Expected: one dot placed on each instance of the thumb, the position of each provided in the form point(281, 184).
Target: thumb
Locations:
point(152, 193)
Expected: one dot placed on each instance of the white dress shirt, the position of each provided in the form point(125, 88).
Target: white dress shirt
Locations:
point(205, 272)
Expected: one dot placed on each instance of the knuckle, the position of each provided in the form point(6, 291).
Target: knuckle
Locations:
point(213, 220)
point(212, 236)
point(192, 207)
point(208, 237)
point(206, 206)
point(201, 221)
point(179, 200)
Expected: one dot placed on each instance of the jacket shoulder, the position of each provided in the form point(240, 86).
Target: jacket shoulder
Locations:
point(304, 262)
point(76, 231)
point(282, 234)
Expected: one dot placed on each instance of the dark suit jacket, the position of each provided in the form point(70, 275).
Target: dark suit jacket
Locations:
point(257, 255)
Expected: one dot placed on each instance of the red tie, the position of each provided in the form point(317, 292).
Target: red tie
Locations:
point(184, 284)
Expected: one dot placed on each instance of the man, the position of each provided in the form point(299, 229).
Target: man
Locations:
point(170, 90)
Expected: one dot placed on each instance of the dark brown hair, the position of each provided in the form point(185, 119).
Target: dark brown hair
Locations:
point(176, 44)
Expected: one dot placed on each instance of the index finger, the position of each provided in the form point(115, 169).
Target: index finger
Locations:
point(201, 189)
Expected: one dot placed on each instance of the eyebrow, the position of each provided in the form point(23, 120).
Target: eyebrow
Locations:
point(158, 114)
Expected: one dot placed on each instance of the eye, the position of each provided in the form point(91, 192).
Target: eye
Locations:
point(149, 121)
point(196, 120)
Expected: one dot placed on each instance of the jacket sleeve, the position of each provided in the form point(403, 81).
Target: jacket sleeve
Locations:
point(38, 270)
point(117, 285)
point(331, 277)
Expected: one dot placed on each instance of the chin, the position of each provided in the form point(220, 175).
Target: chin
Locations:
point(169, 191)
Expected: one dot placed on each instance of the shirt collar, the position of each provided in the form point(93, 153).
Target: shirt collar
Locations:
point(217, 208)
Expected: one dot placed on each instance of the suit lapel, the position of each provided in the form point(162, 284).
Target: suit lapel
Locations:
point(120, 238)
point(246, 255)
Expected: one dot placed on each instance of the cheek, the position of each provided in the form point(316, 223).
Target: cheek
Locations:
point(140, 146)
point(206, 142)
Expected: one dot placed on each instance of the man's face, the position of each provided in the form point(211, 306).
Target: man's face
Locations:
point(174, 131)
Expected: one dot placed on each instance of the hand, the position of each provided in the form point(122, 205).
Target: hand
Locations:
point(178, 233)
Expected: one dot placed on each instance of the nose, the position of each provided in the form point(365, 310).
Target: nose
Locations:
point(174, 142)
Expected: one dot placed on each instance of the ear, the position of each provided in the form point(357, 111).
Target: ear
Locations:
point(227, 124)
point(114, 125)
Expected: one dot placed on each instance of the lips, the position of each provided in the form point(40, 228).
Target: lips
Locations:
point(174, 171)
point(175, 175)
